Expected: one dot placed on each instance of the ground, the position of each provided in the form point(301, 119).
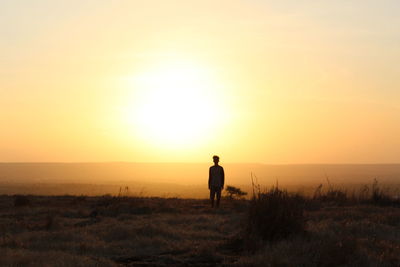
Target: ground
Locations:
point(128, 231)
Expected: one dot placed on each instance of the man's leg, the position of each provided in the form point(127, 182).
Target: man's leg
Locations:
point(218, 196)
point(212, 196)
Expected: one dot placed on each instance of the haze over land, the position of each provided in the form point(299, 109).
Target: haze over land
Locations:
point(183, 179)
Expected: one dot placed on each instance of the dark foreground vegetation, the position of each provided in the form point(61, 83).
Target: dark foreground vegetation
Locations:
point(273, 228)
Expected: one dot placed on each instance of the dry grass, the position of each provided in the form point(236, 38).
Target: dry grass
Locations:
point(128, 231)
point(108, 231)
point(273, 215)
point(337, 236)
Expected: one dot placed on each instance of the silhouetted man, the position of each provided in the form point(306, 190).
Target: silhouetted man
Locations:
point(216, 181)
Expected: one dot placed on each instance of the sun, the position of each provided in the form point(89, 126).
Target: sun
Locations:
point(176, 103)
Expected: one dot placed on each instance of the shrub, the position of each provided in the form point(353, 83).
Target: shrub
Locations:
point(274, 215)
point(234, 192)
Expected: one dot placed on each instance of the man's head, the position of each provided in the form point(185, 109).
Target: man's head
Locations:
point(216, 159)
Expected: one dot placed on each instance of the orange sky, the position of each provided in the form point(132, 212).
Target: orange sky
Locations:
point(252, 81)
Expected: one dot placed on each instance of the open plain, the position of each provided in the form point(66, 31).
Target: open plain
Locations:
point(133, 231)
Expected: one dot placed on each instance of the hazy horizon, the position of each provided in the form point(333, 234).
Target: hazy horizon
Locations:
point(184, 179)
point(202, 162)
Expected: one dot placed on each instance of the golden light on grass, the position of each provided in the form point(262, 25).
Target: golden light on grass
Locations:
point(176, 103)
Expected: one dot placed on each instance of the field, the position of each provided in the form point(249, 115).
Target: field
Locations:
point(138, 231)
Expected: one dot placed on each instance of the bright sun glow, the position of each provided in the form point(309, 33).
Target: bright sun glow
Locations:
point(175, 104)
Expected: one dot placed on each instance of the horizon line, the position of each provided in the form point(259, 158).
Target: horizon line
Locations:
point(180, 162)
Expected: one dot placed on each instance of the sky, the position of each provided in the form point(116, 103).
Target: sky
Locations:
point(275, 82)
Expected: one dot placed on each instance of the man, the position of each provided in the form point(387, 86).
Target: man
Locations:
point(216, 181)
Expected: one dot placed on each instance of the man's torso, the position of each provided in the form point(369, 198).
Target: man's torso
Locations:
point(216, 176)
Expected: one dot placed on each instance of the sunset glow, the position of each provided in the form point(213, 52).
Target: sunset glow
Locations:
point(275, 82)
point(174, 104)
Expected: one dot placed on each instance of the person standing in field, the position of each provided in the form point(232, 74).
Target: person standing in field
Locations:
point(216, 181)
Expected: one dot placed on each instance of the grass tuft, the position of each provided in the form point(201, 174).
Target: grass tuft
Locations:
point(273, 215)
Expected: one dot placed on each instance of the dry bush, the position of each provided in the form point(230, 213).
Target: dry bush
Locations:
point(273, 215)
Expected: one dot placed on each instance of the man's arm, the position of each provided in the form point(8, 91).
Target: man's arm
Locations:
point(209, 178)
point(223, 177)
